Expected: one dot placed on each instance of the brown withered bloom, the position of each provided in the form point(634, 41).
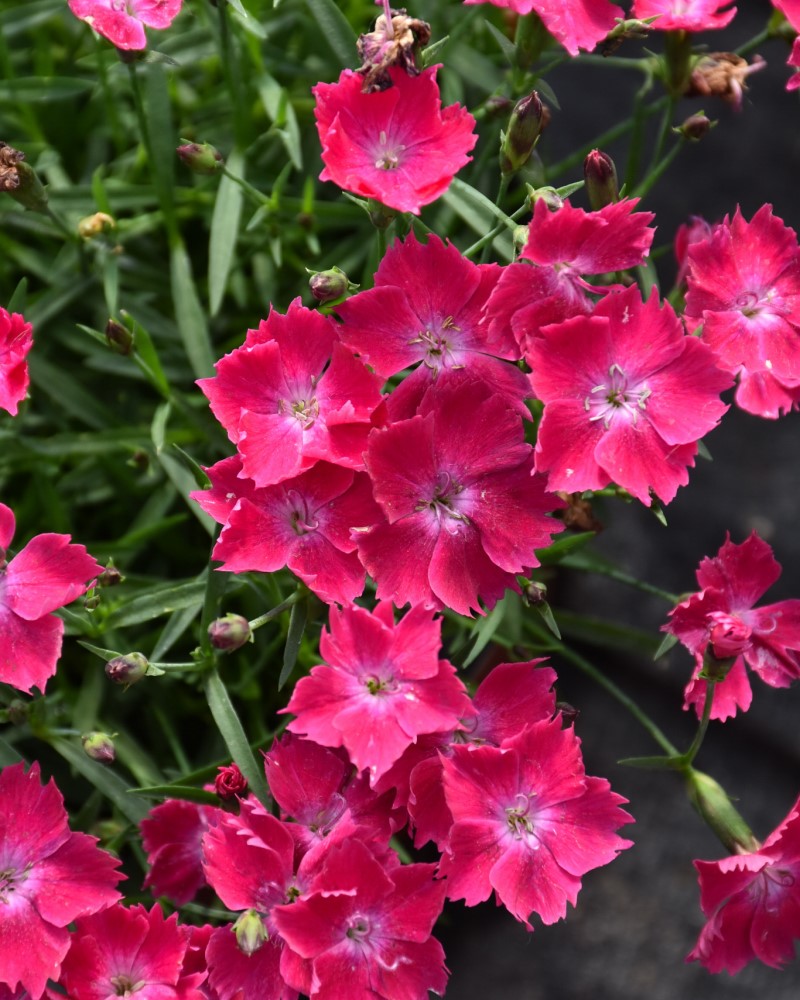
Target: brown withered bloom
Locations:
point(9, 171)
point(722, 74)
point(578, 513)
point(393, 42)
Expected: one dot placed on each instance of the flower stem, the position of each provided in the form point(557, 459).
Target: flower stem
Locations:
point(268, 616)
point(501, 227)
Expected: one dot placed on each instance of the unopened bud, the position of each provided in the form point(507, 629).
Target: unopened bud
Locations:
point(18, 712)
point(230, 782)
point(128, 669)
point(250, 932)
point(600, 176)
point(551, 197)
point(94, 225)
point(695, 127)
point(497, 106)
point(20, 181)
point(729, 635)
point(520, 238)
point(201, 157)
point(632, 28)
point(100, 747)
point(329, 286)
point(569, 713)
point(119, 337)
point(716, 809)
point(534, 593)
point(110, 576)
point(91, 602)
point(380, 215)
point(229, 633)
point(523, 132)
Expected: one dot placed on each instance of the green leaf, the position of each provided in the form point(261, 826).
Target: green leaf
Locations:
point(657, 763)
point(238, 7)
point(335, 29)
point(8, 755)
point(185, 792)
point(667, 643)
point(178, 623)
point(545, 612)
point(234, 736)
point(184, 482)
point(161, 135)
point(568, 189)
point(480, 214)
point(108, 782)
point(546, 91)
point(17, 301)
point(297, 624)
point(104, 654)
point(157, 602)
point(33, 89)
point(111, 282)
point(224, 231)
point(561, 547)
point(147, 357)
point(189, 313)
point(507, 47)
point(485, 631)
point(159, 425)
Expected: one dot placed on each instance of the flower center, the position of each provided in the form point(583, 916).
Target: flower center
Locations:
point(444, 503)
point(302, 519)
point(124, 986)
point(388, 157)
point(381, 685)
point(120, 5)
point(615, 397)
point(520, 823)
point(305, 411)
point(358, 928)
point(439, 350)
point(751, 304)
point(10, 878)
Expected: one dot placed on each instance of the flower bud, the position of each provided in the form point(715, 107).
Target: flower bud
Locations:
point(534, 592)
point(99, 746)
point(329, 286)
point(524, 129)
point(110, 577)
point(20, 181)
point(520, 237)
point(95, 225)
point(127, 669)
point(600, 176)
point(551, 197)
point(695, 127)
point(716, 809)
point(230, 782)
point(119, 337)
point(201, 158)
point(250, 932)
point(229, 633)
point(380, 215)
point(729, 635)
point(18, 711)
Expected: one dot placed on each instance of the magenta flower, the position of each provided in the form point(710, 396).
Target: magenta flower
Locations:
point(426, 307)
point(685, 15)
point(382, 685)
point(564, 246)
point(122, 952)
point(627, 396)
point(752, 902)
point(790, 10)
point(694, 231)
point(744, 288)
point(292, 395)
point(46, 574)
point(49, 876)
point(172, 834)
point(794, 61)
point(304, 524)
point(722, 616)
point(399, 145)
point(367, 930)
point(577, 24)
point(528, 822)
point(16, 338)
point(123, 22)
point(464, 512)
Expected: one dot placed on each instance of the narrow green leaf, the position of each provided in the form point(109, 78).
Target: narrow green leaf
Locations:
point(34, 89)
point(178, 623)
point(432, 53)
point(189, 313)
point(702, 449)
point(297, 624)
point(108, 782)
point(567, 189)
point(147, 356)
point(547, 92)
point(17, 301)
point(561, 547)
point(68, 393)
point(238, 7)
point(654, 763)
point(507, 47)
point(485, 631)
point(161, 135)
point(545, 612)
point(159, 425)
point(185, 792)
point(184, 482)
point(335, 29)
point(200, 476)
point(104, 654)
point(111, 282)
point(8, 754)
point(224, 231)
point(157, 602)
point(667, 643)
point(99, 192)
point(480, 214)
point(234, 736)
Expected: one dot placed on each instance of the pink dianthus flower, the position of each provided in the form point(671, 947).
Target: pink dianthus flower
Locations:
point(464, 511)
point(627, 397)
point(577, 24)
point(744, 288)
point(171, 834)
point(794, 61)
point(49, 876)
point(752, 902)
point(123, 22)
point(722, 617)
point(398, 145)
point(46, 574)
point(685, 15)
point(16, 338)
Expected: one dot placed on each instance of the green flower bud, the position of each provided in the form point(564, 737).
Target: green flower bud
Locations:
point(119, 337)
point(330, 286)
point(20, 181)
point(250, 932)
point(695, 127)
point(229, 633)
point(127, 669)
point(523, 132)
point(99, 746)
point(201, 158)
point(716, 809)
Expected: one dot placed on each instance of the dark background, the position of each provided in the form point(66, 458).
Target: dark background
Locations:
point(638, 918)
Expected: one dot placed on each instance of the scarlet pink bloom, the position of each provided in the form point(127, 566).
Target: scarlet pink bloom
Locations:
point(16, 338)
point(685, 15)
point(172, 834)
point(381, 687)
point(577, 24)
point(125, 951)
point(564, 246)
point(398, 145)
point(694, 231)
point(367, 930)
point(304, 524)
point(229, 485)
point(627, 396)
point(233, 975)
point(49, 876)
point(794, 61)
point(123, 22)
point(528, 822)
point(291, 395)
point(46, 574)
point(464, 511)
point(752, 902)
point(744, 288)
point(426, 307)
point(230, 782)
point(722, 617)
point(790, 10)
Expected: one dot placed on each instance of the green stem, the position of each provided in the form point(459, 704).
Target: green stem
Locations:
point(258, 197)
point(273, 613)
point(663, 132)
point(655, 175)
point(699, 736)
point(638, 122)
point(753, 43)
point(501, 193)
point(500, 228)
